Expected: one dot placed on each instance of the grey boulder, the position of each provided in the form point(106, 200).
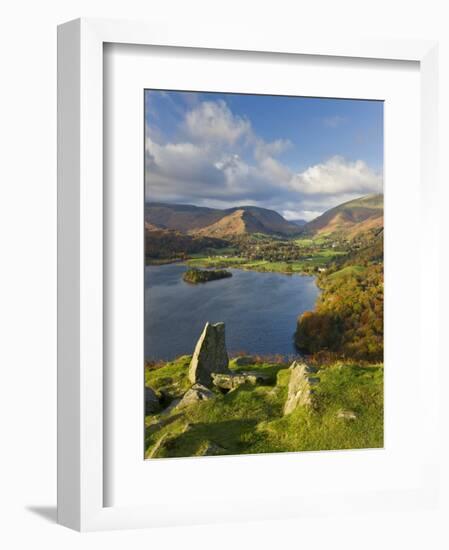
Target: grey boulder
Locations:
point(234, 380)
point(196, 393)
point(300, 387)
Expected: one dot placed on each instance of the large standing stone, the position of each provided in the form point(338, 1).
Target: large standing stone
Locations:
point(300, 389)
point(210, 355)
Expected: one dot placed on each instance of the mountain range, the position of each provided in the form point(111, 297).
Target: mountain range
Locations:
point(349, 219)
point(213, 222)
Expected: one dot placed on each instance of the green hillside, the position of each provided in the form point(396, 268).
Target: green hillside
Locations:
point(250, 418)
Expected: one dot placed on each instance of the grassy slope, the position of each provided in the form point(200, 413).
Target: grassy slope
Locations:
point(349, 218)
point(347, 271)
point(250, 420)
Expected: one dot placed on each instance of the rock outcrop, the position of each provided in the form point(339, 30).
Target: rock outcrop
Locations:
point(152, 404)
point(210, 355)
point(300, 387)
point(232, 381)
point(196, 393)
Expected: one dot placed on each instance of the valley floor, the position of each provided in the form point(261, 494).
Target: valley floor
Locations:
point(300, 267)
point(302, 256)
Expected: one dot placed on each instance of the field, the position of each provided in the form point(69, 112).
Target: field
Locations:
point(347, 412)
point(311, 256)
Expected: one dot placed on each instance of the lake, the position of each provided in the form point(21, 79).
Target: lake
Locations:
point(259, 310)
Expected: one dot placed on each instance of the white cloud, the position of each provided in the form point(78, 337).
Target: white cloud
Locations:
point(234, 169)
point(306, 215)
point(214, 121)
point(209, 161)
point(179, 161)
point(264, 149)
point(336, 176)
point(275, 170)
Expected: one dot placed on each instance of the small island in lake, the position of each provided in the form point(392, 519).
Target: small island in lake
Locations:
point(196, 276)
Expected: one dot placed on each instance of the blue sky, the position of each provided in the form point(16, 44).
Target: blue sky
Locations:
point(299, 156)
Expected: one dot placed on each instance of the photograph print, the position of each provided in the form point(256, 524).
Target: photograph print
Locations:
point(263, 274)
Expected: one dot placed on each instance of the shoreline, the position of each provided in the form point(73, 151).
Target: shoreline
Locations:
point(242, 267)
point(163, 261)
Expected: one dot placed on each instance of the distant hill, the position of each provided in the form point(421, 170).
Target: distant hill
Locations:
point(212, 222)
point(180, 217)
point(163, 244)
point(239, 222)
point(350, 218)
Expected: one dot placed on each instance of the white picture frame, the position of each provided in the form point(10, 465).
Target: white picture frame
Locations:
point(81, 487)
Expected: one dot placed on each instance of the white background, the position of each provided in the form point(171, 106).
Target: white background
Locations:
point(28, 269)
